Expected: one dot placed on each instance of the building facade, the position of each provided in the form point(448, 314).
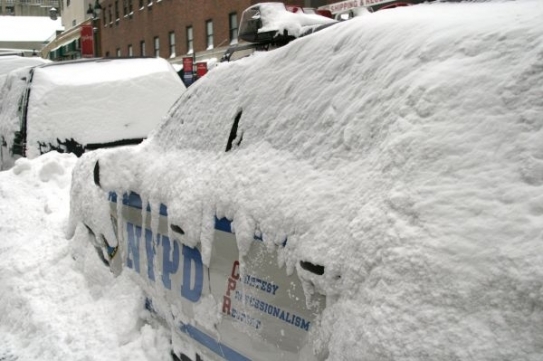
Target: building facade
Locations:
point(173, 29)
point(26, 26)
point(79, 22)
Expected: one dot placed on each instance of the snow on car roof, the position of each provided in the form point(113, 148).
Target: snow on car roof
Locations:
point(12, 62)
point(28, 28)
point(99, 101)
point(85, 72)
point(9, 63)
point(402, 151)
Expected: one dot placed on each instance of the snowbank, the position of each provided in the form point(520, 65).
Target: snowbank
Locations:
point(57, 301)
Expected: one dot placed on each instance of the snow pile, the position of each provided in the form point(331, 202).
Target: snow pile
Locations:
point(57, 301)
point(402, 151)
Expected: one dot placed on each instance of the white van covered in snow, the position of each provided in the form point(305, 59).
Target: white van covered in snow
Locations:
point(83, 105)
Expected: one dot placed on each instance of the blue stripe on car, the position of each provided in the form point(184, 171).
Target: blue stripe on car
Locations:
point(204, 339)
point(212, 344)
point(133, 199)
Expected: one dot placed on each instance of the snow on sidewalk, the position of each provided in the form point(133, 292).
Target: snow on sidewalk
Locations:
point(57, 301)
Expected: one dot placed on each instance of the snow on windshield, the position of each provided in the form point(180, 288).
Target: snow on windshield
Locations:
point(9, 63)
point(12, 62)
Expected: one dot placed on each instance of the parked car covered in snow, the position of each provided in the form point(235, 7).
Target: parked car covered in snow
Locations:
point(274, 24)
point(277, 22)
point(81, 105)
point(387, 209)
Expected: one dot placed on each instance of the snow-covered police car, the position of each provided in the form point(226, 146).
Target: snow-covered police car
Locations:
point(378, 198)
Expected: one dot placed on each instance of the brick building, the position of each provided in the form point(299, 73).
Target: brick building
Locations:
point(173, 29)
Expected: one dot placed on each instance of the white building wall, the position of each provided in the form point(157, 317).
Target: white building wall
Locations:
point(74, 12)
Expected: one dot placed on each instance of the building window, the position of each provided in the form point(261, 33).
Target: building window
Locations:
point(118, 52)
point(190, 40)
point(130, 51)
point(171, 37)
point(125, 8)
point(141, 4)
point(116, 10)
point(110, 13)
point(209, 34)
point(157, 46)
point(142, 48)
point(130, 7)
point(233, 23)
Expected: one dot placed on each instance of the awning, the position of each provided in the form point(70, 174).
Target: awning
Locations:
point(65, 49)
